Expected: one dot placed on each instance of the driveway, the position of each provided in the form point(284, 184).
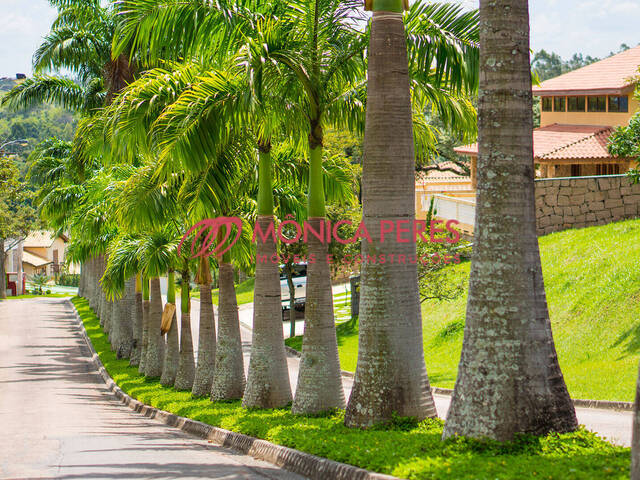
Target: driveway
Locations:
point(58, 420)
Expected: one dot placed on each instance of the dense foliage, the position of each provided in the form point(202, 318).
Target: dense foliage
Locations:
point(625, 142)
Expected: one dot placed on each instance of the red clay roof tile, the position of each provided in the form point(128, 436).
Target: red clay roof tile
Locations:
point(614, 75)
point(563, 142)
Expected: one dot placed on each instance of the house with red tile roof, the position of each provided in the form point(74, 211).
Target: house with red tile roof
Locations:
point(580, 110)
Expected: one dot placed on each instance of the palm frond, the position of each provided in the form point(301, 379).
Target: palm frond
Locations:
point(49, 89)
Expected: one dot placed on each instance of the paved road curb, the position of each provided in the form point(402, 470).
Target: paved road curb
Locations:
point(311, 466)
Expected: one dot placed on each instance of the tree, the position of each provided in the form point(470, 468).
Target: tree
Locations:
point(17, 217)
point(79, 42)
point(433, 58)
point(509, 380)
point(267, 382)
point(172, 352)
point(390, 374)
point(625, 143)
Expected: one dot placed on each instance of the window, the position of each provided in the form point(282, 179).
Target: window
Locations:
point(576, 170)
point(597, 104)
point(618, 104)
point(559, 104)
point(608, 169)
point(576, 104)
point(547, 103)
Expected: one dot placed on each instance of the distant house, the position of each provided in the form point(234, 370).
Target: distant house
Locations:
point(579, 112)
point(20, 76)
point(43, 252)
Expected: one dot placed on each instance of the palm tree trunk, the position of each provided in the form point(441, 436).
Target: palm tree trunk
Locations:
point(635, 442)
point(3, 273)
point(103, 297)
point(172, 352)
point(206, 344)
point(137, 324)
point(186, 366)
point(390, 375)
point(509, 380)
point(155, 350)
point(92, 282)
point(268, 383)
point(146, 316)
point(292, 302)
point(122, 339)
point(108, 312)
point(82, 280)
point(228, 379)
point(319, 380)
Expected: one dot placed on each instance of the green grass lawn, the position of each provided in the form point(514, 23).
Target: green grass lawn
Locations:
point(244, 292)
point(45, 295)
point(592, 279)
point(405, 449)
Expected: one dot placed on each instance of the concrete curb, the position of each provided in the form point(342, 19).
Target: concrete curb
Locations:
point(311, 466)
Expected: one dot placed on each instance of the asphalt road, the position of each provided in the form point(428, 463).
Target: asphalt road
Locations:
point(58, 420)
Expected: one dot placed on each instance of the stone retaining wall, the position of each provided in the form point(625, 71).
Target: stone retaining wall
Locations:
point(563, 203)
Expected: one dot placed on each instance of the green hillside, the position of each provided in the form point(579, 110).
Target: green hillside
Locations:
point(592, 279)
point(31, 125)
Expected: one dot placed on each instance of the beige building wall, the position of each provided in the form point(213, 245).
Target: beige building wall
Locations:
point(40, 251)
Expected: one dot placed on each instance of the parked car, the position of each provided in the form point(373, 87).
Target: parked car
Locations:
point(300, 286)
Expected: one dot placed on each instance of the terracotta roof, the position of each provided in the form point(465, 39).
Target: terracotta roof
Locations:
point(35, 260)
point(437, 176)
point(556, 142)
point(614, 75)
point(40, 239)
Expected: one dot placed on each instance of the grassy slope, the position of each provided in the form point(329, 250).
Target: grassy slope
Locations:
point(405, 449)
point(592, 279)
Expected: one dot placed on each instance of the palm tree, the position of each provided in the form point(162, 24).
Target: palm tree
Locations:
point(155, 342)
point(79, 42)
point(146, 306)
point(320, 55)
point(432, 58)
point(509, 380)
point(635, 441)
point(186, 365)
point(172, 352)
point(205, 184)
point(207, 334)
point(167, 28)
point(229, 380)
point(138, 323)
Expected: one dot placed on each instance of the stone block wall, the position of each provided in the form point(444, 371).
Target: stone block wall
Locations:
point(563, 203)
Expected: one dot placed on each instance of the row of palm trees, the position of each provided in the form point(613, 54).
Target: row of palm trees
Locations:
point(200, 109)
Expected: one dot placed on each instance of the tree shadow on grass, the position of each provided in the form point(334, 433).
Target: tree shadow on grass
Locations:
point(631, 339)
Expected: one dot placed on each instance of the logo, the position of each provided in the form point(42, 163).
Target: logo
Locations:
point(212, 225)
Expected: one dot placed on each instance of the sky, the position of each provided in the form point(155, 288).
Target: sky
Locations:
point(592, 27)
